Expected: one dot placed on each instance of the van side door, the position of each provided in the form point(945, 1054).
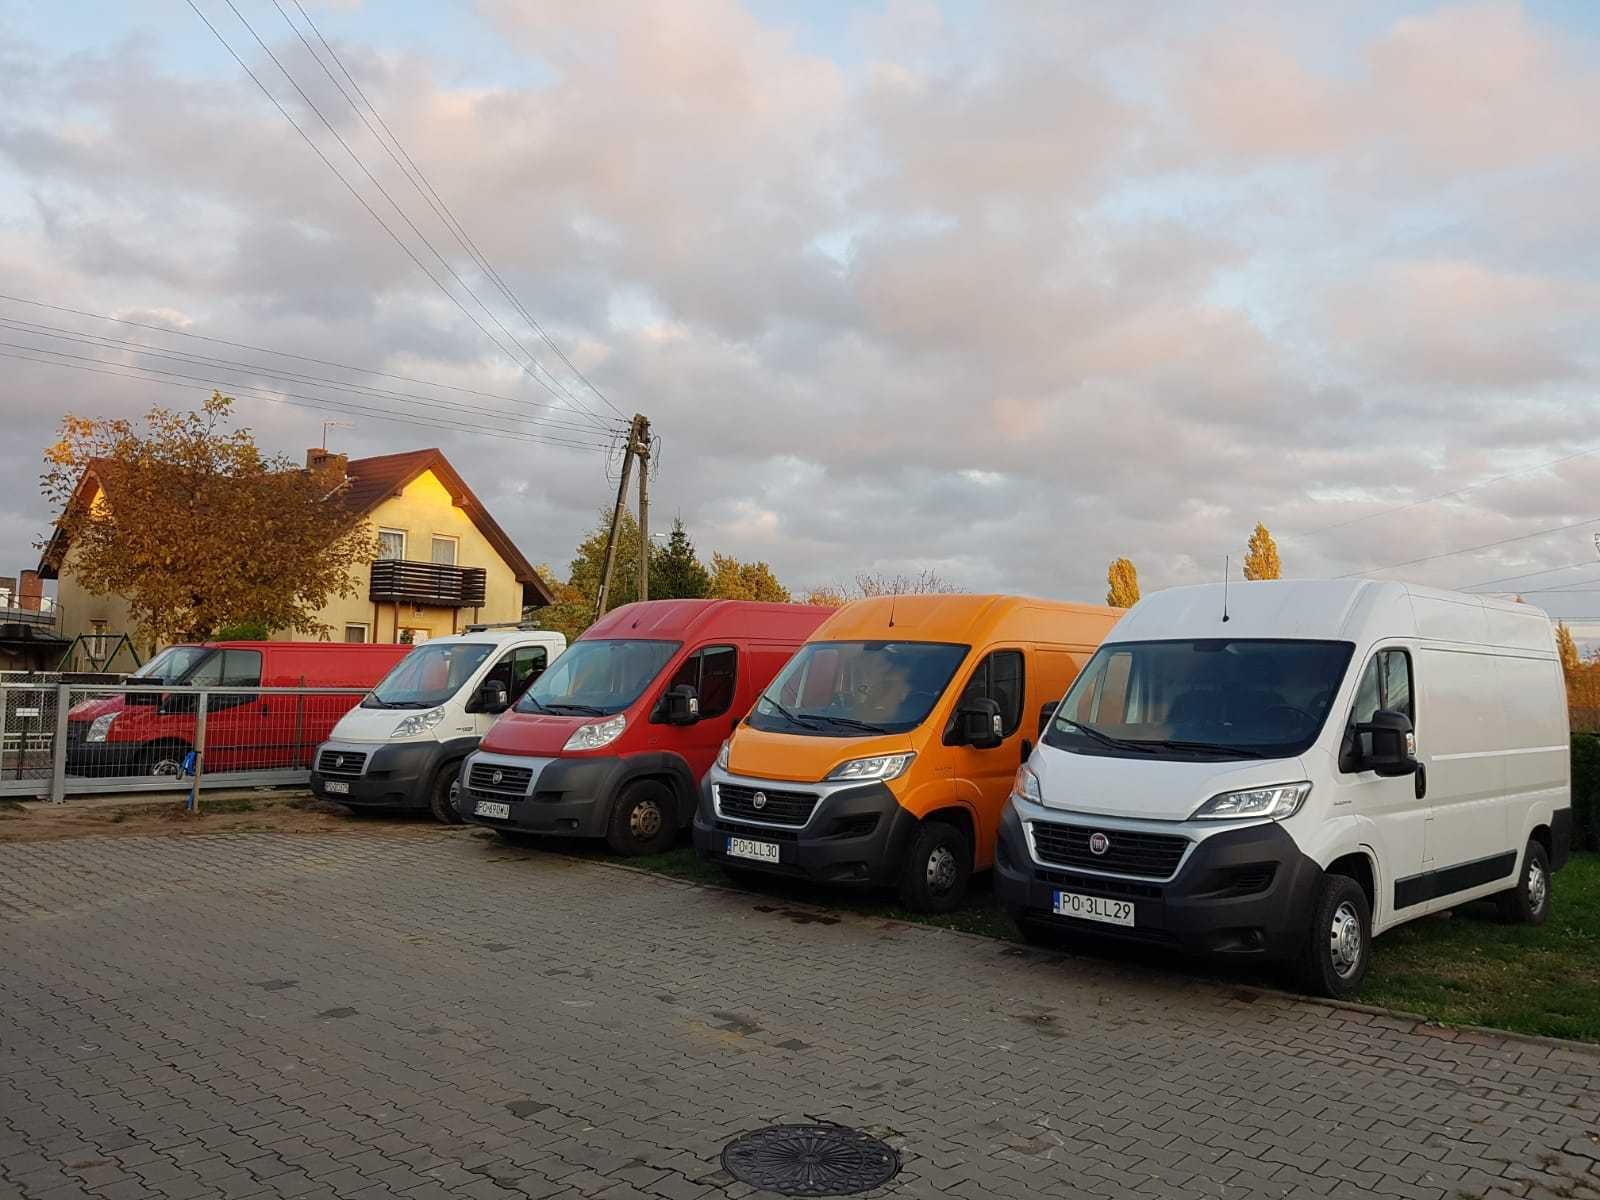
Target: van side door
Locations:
point(983, 778)
point(713, 672)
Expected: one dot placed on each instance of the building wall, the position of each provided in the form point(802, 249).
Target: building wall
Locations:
point(423, 509)
point(77, 610)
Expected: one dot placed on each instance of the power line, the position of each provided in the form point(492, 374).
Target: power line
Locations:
point(1467, 587)
point(1411, 562)
point(426, 190)
point(360, 199)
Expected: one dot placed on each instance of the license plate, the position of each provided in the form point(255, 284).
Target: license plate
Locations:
point(336, 787)
point(756, 851)
point(1094, 908)
point(490, 808)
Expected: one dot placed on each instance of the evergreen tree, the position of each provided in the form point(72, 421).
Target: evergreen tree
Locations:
point(675, 572)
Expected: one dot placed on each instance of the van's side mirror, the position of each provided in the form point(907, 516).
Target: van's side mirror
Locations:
point(143, 699)
point(978, 724)
point(681, 705)
point(1394, 745)
point(491, 697)
point(1046, 711)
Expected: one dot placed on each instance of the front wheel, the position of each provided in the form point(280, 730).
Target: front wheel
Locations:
point(937, 867)
point(162, 761)
point(643, 820)
point(441, 801)
point(1529, 902)
point(1338, 950)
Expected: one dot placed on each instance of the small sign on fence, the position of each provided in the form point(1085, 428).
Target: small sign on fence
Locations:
point(27, 712)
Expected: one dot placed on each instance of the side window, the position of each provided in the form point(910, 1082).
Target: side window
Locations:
point(527, 664)
point(711, 672)
point(999, 677)
point(241, 668)
point(1385, 684)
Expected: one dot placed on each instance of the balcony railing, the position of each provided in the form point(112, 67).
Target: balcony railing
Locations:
point(40, 618)
point(403, 581)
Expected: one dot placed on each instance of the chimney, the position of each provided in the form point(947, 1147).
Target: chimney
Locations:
point(319, 459)
point(30, 591)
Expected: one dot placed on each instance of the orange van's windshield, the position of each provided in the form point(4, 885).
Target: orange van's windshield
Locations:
point(855, 689)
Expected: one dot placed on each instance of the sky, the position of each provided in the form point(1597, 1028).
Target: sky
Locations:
point(1000, 291)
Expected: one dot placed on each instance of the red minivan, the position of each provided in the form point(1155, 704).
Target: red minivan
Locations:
point(611, 741)
point(148, 733)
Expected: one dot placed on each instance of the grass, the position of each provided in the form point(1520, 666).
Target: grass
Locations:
point(1464, 967)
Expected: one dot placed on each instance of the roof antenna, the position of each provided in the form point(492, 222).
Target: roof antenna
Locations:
point(1227, 564)
point(892, 596)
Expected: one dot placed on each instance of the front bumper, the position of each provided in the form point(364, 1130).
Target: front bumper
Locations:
point(855, 835)
point(100, 760)
point(1245, 891)
point(392, 774)
point(566, 797)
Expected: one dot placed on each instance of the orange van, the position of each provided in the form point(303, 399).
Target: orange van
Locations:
point(883, 753)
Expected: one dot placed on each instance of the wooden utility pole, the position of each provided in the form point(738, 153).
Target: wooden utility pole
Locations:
point(642, 426)
point(638, 435)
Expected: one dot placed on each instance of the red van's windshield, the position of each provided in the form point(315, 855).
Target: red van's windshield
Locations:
point(171, 664)
point(599, 677)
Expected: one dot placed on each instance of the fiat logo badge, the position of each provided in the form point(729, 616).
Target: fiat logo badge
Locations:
point(497, 776)
point(338, 760)
point(1099, 843)
point(759, 800)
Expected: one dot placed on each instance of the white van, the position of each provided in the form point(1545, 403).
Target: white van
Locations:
point(1288, 768)
point(402, 746)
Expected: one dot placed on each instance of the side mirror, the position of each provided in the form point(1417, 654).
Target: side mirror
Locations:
point(492, 697)
point(1394, 745)
point(681, 705)
point(978, 724)
point(143, 699)
point(1046, 711)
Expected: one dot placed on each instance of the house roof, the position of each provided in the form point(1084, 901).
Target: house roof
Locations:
point(369, 482)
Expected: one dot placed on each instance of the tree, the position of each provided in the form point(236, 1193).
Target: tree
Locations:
point(877, 583)
point(735, 580)
point(587, 562)
point(197, 529)
point(675, 572)
point(1122, 584)
point(825, 595)
point(1571, 661)
point(1261, 558)
point(569, 612)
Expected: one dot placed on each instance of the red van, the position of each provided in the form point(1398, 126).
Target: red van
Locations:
point(611, 741)
point(147, 733)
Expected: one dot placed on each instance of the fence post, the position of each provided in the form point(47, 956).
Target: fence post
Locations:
point(58, 747)
point(199, 752)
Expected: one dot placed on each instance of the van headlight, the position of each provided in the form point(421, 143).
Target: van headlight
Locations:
point(418, 723)
point(99, 728)
point(722, 754)
point(1026, 786)
point(597, 733)
point(1277, 802)
point(880, 768)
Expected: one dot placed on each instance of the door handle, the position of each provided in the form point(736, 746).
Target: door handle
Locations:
point(1422, 780)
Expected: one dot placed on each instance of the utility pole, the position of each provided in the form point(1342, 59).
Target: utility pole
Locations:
point(642, 425)
point(638, 436)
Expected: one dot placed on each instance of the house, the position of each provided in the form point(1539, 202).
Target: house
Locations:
point(29, 640)
point(444, 562)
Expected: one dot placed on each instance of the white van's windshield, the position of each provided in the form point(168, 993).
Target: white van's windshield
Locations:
point(1206, 698)
point(597, 678)
point(854, 689)
point(429, 675)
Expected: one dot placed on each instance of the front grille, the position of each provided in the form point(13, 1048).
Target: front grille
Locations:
point(1152, 855)
point(764, 835)
point(1246, 880)
point(500, 779)
point(1095, 885)
point(778, 807)
point(341, 762)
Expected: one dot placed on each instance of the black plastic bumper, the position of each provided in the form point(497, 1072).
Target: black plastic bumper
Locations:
point(103, 760)
point(858, 836)
point(1242, 891)
point(572, 798)
point(396, 776)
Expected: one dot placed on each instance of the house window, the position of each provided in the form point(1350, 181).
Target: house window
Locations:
point(444, 550)
point(391, 543)
point(97, 639)
point(411, 636)
point(355, 632)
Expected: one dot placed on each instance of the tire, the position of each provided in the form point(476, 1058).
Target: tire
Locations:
point(1529, 902)
point(644, 819)
point(937, 867)
point(1338, 948)
point(162, 761)
point(439, 797)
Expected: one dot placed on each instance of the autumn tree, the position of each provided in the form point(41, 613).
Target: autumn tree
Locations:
point(569, 612)
point(1571, 661)
point(1261, 556)
point(676, 573)
point(877, 583)
point(1122, 584)
point(196, 529)
point(586, 564)
point(735, 580)
point(825, 595)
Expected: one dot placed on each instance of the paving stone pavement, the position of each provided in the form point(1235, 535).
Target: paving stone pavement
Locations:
point(433, 1015)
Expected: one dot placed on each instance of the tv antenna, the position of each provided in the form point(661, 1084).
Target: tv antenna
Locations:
point(327, 425)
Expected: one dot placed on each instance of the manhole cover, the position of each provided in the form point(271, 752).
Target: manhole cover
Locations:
point(810, 1160)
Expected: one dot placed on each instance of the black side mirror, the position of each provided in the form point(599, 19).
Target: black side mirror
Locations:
point(681, 705)
point(1394, 745)
point(978, 724)
point(143, 699)
point(1046, 711)
point(492, 697)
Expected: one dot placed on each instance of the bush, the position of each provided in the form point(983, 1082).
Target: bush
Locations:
point(1586, 791)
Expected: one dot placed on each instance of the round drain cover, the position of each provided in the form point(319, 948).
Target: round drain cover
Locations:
point(810, 1160)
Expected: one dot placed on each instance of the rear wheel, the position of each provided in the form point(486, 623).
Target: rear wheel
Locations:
point(937, 867)
point(1529, 901)
point(441, 800)
point(1338, 949)
point(643, 820)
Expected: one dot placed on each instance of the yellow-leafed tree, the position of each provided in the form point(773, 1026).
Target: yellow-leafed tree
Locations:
point(1261, 556)
point(1122, 584)
point(735, 580)
point(1571, 661)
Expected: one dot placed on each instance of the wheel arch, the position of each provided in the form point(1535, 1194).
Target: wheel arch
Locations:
point(962, 818)
point(664, 767)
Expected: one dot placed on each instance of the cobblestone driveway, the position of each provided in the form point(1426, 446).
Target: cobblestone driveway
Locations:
point(433, 1015)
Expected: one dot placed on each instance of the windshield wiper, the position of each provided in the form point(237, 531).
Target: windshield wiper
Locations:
point(529, 698)
point(408, 704)
point(1105, 739)
point(1204, 747)
point(583, 710)
point(373, 702)
point(785, 713)
point(846, 722)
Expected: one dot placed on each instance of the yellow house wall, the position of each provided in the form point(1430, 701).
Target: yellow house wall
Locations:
point(79, 608)
point(424, 508)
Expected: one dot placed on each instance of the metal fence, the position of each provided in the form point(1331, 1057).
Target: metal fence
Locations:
point(62, 738)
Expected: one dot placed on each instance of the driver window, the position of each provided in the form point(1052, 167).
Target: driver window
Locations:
point(1385, 684)
point(517, 669)
point(999, 678)
point(711, 673)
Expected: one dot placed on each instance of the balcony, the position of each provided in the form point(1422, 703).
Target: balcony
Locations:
point(402, 581)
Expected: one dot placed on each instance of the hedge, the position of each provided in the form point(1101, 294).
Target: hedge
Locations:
point(1586, 791)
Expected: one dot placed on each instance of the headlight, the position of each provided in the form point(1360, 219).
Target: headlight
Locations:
point(879, 768)
point(418, 723)
point(1278, 801)
point(597, 734)
point(722, 755)
point(1026, 786)
point(99, 728)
